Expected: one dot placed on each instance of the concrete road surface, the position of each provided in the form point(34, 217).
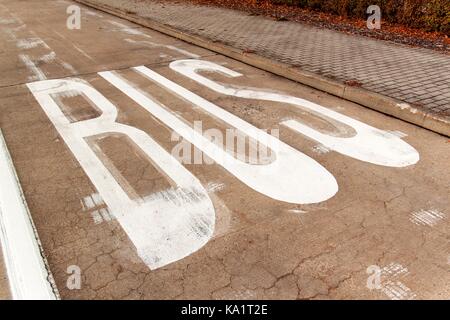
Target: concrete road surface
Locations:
point(154, 169)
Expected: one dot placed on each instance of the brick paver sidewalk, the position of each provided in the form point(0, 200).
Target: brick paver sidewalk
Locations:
point(414, 75)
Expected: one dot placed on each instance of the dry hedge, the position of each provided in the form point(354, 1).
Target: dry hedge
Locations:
point(431, 15)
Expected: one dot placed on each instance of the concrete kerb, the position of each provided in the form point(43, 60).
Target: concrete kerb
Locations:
point(372, 100)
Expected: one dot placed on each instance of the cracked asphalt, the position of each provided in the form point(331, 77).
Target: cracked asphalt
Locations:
point(396, 219)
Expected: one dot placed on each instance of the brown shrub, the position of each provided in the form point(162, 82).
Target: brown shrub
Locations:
point(430, 15)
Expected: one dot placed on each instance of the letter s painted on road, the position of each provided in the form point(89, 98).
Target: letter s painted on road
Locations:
point(369, 144)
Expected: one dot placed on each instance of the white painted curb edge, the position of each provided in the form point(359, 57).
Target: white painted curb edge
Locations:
point(28, 274)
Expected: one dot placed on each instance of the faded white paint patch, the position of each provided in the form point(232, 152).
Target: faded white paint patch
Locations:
point(158, 45)
point(96, 207)
point(215, 187)
point(93, 13)
point(32, 64)
point(106, 215)
point(182, 51)
point(97, 199)
point(97, 217)
point(391, 285)
point(406, 106)
point(297, 211)
point(223, 216)
point(398, 133)
point(427, 217)
point(320, 149)
point(38, 73)
point(83, 52)
point(394, 270)
point(403, 106)
point(43, 43)
point(88, 203)
point(92, 201)
point(7, 21)
point(30, 43)
point(49, 57)
point(179, 218)
point(11, 34)
point(128, 30)
point(69, 67)
point(396, 290)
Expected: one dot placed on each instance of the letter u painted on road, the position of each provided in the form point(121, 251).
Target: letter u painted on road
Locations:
point(163, 231)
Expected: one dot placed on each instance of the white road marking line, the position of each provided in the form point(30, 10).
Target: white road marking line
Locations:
point(105, 214)
point(427, 217)
point(97, 199)
point(38, 73)
point(7, 21)
point(95, 205)
point(33, 42)
point(97, 217)
point(398, 133)
point(129, 30)
point(406, 106)
point(394, 270)
point(73, 45)
point(28, 273)
point(29, 43)
point(93, 13)
point(83, 52)
point(214, 187)
point(88, 203)
point(158, 45)
point(320, 149)
point(397, 291)
point(390, 284)
point(297, 211)
point(49, 57)
point(68, 66)
point(42, 42)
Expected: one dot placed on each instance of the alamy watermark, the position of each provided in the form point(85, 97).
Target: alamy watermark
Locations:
point(74, 280)
point(374, 20)
point(257, 147)
point(74, 20)
point(374, 279)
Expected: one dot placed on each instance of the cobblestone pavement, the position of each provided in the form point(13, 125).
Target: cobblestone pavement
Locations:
point(417, 76)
